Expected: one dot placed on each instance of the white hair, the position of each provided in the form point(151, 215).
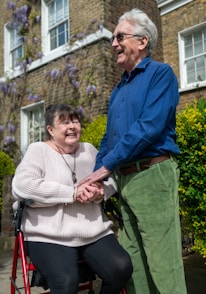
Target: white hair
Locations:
point(144, 26)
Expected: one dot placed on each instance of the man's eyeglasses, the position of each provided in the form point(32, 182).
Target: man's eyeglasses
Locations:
point(120, 37)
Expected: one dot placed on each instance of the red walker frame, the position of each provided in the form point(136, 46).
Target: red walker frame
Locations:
point(27, 266)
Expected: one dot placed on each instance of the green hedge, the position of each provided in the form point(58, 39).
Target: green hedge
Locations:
point(93, 132)
point(7, 167)
point(191, 131)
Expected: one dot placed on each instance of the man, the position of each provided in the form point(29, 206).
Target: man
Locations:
point(139, 147)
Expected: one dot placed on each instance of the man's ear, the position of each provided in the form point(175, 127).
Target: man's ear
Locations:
point(143, 43)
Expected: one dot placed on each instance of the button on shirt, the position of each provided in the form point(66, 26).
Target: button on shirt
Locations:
point(141, 116)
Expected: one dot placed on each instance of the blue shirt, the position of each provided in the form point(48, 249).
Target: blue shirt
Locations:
point(141, 116)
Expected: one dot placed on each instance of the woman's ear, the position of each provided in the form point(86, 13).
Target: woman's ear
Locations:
point(50, 130)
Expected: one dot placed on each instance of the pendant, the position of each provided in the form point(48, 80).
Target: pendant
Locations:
point(74, 177)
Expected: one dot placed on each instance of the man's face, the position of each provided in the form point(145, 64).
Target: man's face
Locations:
point(128, 48)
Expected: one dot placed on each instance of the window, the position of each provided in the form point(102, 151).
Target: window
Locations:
point(16, 48)
point(13, 48)
point(58, 23)
point(193, 56)
point(32, 124)
point(55, 26)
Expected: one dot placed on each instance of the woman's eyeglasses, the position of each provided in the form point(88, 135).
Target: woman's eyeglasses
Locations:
point(121, 36)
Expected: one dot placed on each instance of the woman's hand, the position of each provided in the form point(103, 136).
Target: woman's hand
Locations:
point(90, 192)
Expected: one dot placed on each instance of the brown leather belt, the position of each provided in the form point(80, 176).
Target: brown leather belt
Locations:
point(142, 164)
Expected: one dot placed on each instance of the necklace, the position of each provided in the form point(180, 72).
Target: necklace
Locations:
point(74, 178)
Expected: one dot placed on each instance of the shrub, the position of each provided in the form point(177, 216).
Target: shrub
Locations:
point(7, 167)
point(191, 132)
point(94, 131)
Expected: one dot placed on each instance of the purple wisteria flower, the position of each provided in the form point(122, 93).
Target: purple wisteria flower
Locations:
point(81, 36)
point(101, 28)
point(23, 39)
point(9, 139)
point(33, 97)
point(19, 16)
point(88, 90)
point(81, 112)
point(91, 89)
point(94, 89)
point(35, 40)
point(38, 18)
point(11, 127)
point(30, 60)
point(11, 5)
point(54, 74)
point(1, 129)
point(36, 97)
point(40, 54)
point(30, 97)
point(75, 84)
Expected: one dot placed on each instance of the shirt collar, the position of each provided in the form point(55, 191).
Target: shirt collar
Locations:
point(140, 67)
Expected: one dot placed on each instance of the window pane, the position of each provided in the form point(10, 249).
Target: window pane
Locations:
point(190, 67)
point(51, 14)
point(198, 45)
point(66, 8)
point(14, 38)
point(188, 46)
point(36, 125)
point(53, 43)
point(200, 65)
point(53, 39)
point(204, 36)
point(59, 10)
point(16, 54)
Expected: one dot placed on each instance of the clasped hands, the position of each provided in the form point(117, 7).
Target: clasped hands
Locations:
point(92, 188)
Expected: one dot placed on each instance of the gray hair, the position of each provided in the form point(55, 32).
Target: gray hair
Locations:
point(144, 26)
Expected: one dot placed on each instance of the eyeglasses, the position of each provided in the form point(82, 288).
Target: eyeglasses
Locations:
point(120, 37)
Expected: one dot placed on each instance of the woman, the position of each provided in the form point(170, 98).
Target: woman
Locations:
point(63, 222)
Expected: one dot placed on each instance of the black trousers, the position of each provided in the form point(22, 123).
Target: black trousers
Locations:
point(59, 264)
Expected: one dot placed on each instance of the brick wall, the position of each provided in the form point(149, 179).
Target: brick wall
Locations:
point(182, 18)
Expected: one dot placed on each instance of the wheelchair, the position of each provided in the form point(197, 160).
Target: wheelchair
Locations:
point(31, 277)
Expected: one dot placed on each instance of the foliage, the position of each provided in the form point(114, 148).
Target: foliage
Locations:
point(191, 131)
point(7, 167)
point(94, 131)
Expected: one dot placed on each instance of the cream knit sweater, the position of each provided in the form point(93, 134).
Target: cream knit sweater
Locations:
point(44, 177)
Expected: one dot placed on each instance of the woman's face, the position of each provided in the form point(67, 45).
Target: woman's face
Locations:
point(65, 132)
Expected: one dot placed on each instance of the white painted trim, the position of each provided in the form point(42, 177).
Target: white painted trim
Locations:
point(61, 51)
point(166, 6)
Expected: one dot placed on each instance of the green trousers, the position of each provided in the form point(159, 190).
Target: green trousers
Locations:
point(151, 232)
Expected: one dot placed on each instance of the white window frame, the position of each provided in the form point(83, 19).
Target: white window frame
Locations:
point(166, 6)
point(184, 86)
point(45, 31)
point(25, 129)
point(8, 50)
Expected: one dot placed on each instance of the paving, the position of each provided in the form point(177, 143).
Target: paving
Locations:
point(195, 273)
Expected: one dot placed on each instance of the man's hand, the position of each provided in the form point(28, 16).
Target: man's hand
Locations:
point(96, 176)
